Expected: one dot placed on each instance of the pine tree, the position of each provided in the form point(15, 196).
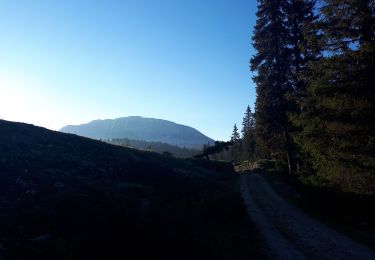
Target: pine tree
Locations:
point(235, 135)
point(282, 42)
point(246, 122)
point(301, 21)
point(337, 132)
point(271, 64)
point(248, 142)
point(236, 144)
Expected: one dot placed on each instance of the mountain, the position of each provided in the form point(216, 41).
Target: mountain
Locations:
point(64, 196)
point(140, 128)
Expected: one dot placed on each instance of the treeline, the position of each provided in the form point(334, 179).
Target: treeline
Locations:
point(240, 147)
point(243, 146)
point(158, 147)
point(219, 151)
point(314, 70)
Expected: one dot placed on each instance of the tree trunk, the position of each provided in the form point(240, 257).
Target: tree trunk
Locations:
point(288, 152)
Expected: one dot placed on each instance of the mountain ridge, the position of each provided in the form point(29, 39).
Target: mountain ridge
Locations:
point(141, 128)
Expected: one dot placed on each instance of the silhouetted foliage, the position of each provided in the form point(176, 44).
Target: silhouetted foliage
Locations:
point(248, 139)
point(271, 64)
point(218, 147)
point(314, 82)
point(235, 139)
point(337, 135)
point(235, 135)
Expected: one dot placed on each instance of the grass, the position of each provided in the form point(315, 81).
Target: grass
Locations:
point(67, 197)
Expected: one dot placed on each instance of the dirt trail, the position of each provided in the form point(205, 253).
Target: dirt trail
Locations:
point(288, 232)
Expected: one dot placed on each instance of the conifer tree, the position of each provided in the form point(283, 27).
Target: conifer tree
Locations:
point(235, 135)
point(271, 64)
point(281, 39)
point(301, 27)
point(248, 142)
point(337, 133)
point(236, 144)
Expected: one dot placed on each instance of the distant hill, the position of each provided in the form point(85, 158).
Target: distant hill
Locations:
point(158, 147)
point(140, 128)
point(64, 196)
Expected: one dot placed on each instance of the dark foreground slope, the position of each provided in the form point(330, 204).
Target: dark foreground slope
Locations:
point(67, 197)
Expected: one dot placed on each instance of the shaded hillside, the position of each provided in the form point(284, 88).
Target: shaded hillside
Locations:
point(139, 128)
point(68, 197)
point(157, 147)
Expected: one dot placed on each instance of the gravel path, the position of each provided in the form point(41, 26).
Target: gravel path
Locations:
point(288, 232)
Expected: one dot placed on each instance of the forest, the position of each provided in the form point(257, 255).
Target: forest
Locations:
point(315, 103)
point(158, 147)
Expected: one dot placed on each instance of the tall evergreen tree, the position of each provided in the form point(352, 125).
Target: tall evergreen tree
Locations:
point(236, 144)
point(301, 26)
point(248, 122)
point(281, 39)
point(271, 64)
point(235, 138)
point(248, 142)
point(338, 134)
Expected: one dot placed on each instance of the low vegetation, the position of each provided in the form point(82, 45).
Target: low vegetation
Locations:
point(67, 197)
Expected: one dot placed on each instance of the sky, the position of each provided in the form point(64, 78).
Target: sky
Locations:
point(74, 61)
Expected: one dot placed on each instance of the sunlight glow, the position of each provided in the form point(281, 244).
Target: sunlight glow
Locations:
point(20, 100)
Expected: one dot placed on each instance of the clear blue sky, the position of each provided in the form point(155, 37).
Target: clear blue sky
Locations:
point(73, 61)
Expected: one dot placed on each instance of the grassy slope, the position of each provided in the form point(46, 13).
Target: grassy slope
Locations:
point(67, 197)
